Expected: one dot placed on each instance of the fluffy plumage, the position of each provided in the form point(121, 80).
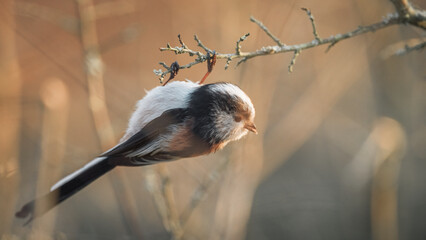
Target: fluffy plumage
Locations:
point(179, 120)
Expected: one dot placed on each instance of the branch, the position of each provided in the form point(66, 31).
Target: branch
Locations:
point(408, 49)
point(403, 47)
point(293, 61)
point(409, 14)
point(200, 193)
point(238, 48)
point(53, 16)
point(405, 14)
point(99, 109)
point(314, 28)
point(266, 30)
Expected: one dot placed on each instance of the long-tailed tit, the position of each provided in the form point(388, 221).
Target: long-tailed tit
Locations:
point(179, 120)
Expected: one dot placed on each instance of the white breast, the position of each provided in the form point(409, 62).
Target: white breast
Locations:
point(173, 95)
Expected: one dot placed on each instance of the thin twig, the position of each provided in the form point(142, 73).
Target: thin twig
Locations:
point(153, 183)
point(330, 46)
point(243, 60)
point(314, 28)
point(238, 48)
point(162, 74)
point(159, 185)
point(202, 190)
point(293, 61)
point(201, 45)
point(408, 49)
point(166, 190)
point(403, 47)
point(174, 69)
point(181, 42)
point(266, 30)
point(228, 61)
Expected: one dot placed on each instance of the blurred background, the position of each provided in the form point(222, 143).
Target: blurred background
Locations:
point(341, 149)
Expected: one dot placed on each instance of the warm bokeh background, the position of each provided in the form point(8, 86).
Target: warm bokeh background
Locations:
point(341, 149)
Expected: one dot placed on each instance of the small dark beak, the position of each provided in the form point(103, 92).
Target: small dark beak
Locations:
point(251, 127)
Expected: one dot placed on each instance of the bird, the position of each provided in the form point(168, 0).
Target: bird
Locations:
point(182, 119)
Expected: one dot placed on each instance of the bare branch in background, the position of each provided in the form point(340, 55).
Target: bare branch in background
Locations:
point(159, 184)
point(69, 22)
point(53, 16)
point(408, 49)
point(125, 36)
point(103, 126)
point(55, 98)
point(11, 87)
point(113, 8)
point(202, 190)
point(389, 142)
point(405, 14)
point(403, 47)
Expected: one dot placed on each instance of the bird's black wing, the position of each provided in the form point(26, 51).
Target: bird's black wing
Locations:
point(147, 135)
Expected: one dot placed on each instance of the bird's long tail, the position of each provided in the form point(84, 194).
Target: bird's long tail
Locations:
point(65, 188)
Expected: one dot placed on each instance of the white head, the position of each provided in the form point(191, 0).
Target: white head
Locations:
point(223, 112)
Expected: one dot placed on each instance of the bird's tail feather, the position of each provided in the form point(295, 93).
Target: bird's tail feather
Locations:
point(65, 188)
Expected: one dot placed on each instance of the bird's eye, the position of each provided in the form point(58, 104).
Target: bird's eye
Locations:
point(237, 118)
